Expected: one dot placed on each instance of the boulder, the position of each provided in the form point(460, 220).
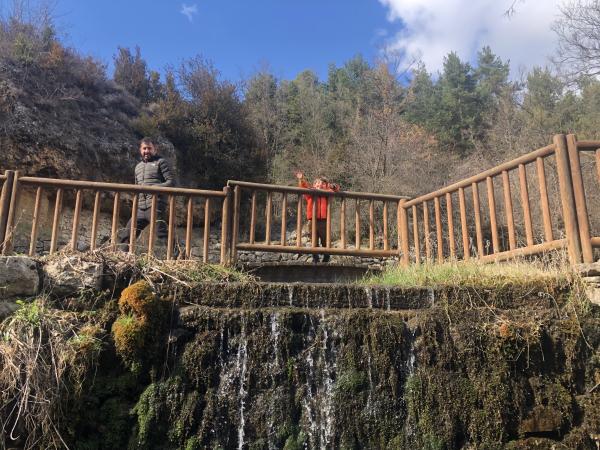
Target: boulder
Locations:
point(70, 275)
point(19, 277)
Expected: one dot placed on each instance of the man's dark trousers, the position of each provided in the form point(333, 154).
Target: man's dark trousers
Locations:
point(144, 216)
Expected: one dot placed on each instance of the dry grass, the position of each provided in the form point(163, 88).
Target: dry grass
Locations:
point(44, 354)
point(474, 273)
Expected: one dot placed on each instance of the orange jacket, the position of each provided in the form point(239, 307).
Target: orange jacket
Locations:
point(321, 201)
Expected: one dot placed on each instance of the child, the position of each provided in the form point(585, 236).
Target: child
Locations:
point(322, 184)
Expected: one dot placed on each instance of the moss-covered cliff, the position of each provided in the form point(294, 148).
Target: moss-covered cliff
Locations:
point(471, 371)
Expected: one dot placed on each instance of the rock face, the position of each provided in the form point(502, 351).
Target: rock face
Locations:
point(68, 276)
point(464, 373)
point(84, 133)
point(19, 276)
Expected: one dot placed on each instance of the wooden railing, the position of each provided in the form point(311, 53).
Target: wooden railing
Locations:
point(119, 195)
point(564, 226)
point(584, 180)
point(382, 237)
point(556, 185)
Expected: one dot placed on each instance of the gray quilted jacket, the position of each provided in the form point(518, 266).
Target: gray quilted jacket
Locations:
point(154, 172)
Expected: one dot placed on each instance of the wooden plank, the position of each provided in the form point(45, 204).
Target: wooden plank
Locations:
point(283, 219)
point(133, 225)
point(426, 231)
point(328, 224)
point(438, 229)
point(206, 236)
point(544, 151)
point(580, 201)
point(357, 224)
point(253, 217)
point(235, 232)
point(451, 241)
point(544, 202)
point(417, 244)
point(317, 250)
point(525, 204)
point(386, 244)
point(76, 217)
point(35, 222)
point(371, 225)
point(477, 213)
point(311, 191)
point(95, 215)
point(492, 206)
point(313, 231)
point(56, 220)
point(171, 228)
point(403, 232)
point(225, 226)
point(462, 204)
point(115, 220)
point(343, 222)
point(118, 187)
point(189, 225)
point(508, 209)
point(299, 222)
point(15, 196)
point(152, 227)
point(526, 251)
point(268, 217)
point(567, 199)
point(5, 197)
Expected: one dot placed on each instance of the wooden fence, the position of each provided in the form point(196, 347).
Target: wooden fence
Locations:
point(14, 185)
point(555, 194)
point(378, 232)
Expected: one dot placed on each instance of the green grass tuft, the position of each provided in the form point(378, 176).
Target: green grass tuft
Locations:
point(472, 273)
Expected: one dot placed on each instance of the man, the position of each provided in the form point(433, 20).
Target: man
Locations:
point(322, 184)
point(152, 170)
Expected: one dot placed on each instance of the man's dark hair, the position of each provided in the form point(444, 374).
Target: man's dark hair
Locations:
point(148, 141)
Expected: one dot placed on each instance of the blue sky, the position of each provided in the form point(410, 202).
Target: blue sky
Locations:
point(240, 36)
point(237, 36)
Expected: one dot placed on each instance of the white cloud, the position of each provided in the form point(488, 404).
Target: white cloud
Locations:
point(433, 28)
point(189, 11)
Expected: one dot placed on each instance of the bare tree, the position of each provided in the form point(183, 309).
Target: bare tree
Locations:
point(578, 29)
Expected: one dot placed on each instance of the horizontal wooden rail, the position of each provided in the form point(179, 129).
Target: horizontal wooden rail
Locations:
point(588, 145)
point(467, 182)
point(322, 193)
point(318, 250)
point(118, 187)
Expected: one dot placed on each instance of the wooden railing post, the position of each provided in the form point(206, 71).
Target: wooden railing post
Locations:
point(5, 204)
point(403, 232)
point(12, 213)
point(236, 224)
point(580, 201)
point(567, 198)
point(225, 226)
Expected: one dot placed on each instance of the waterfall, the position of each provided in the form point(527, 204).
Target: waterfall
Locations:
point(369, 292)
point(241, 366)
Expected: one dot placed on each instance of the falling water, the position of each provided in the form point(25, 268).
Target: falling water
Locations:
point(369, 293)
point(241, 365)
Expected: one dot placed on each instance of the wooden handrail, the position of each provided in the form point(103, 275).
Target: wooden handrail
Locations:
point(467, 182)
point(118, 187)
point(322, 193)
